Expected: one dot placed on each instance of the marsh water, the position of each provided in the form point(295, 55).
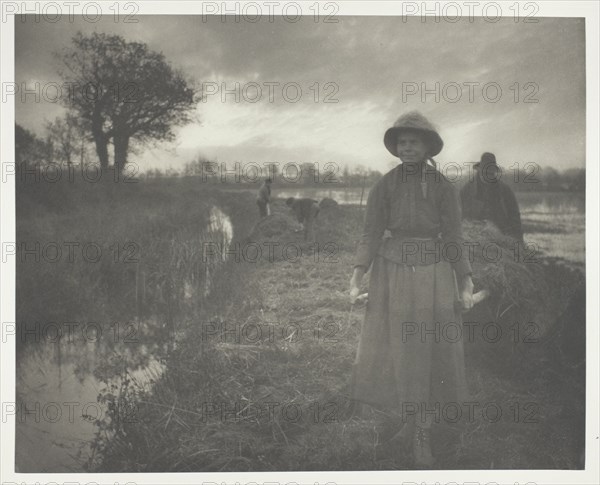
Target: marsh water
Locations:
point(62, 373)
point(553, 221)
point(59, 381)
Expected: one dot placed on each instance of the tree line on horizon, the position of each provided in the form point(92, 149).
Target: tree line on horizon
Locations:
point(65, 145)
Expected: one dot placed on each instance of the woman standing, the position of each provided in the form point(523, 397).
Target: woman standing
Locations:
point(412, 239)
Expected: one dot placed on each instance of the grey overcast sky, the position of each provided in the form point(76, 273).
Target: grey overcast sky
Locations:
point(366, 60)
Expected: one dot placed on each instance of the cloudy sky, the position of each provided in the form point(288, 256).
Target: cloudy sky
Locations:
point(366, 61)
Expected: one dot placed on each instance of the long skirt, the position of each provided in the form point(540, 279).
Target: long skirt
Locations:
point(410, 357)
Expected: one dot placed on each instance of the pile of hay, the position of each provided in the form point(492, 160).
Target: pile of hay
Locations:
point(276, 237)
point(527, 292)
point(513, 276)
point(274, 226)
point(327, 203)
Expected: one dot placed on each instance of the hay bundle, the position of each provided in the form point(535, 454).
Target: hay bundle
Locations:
point(512, 274)
point(524, 299)
point(277, 236)
point(327, 203)
point(537, 303)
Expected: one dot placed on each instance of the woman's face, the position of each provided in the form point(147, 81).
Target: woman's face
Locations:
point(411, 147)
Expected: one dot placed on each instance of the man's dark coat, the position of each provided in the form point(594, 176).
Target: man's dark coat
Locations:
point(493, 201)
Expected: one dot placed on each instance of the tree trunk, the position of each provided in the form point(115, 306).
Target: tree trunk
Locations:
point(101, 141)
point(121, 143)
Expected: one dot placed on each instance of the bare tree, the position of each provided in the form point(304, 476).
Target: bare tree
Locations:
point(125, 92)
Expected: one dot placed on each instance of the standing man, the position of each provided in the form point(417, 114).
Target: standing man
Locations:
point(488, 198)
point(264, 198)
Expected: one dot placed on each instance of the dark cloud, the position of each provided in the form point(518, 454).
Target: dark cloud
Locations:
point(369, 59)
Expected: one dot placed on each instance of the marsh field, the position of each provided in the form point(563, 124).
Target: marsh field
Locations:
point(187, 335)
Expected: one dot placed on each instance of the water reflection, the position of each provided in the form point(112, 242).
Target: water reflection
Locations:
point(220, 234)
point(544, 202)
point(58, 384)
point(348, 196)
point(61, 374)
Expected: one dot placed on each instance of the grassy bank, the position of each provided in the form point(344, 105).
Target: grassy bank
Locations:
point(259, 378)
point(112, 253)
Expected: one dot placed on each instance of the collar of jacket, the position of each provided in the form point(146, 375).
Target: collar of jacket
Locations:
point(418, 172)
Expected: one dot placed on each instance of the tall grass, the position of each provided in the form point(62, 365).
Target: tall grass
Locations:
point(144, 245)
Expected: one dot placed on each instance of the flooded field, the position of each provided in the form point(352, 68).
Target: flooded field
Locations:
point(553, 221)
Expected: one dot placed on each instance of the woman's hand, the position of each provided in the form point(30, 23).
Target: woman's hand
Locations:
point(355, 282)
point(466, 292)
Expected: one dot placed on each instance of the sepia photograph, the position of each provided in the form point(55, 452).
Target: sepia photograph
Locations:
point(326, 237)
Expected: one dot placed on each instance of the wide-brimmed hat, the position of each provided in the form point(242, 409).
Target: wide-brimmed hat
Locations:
point(486, 160)
point(413, 121)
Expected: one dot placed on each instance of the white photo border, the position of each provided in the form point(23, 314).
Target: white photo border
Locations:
point(591, 476)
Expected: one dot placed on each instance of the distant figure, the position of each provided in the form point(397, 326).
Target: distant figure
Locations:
point(306, 211)
point(488, 198)
point(264, 198)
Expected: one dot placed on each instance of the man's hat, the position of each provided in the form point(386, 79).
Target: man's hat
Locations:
point(413, 121)
point(487, 159)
